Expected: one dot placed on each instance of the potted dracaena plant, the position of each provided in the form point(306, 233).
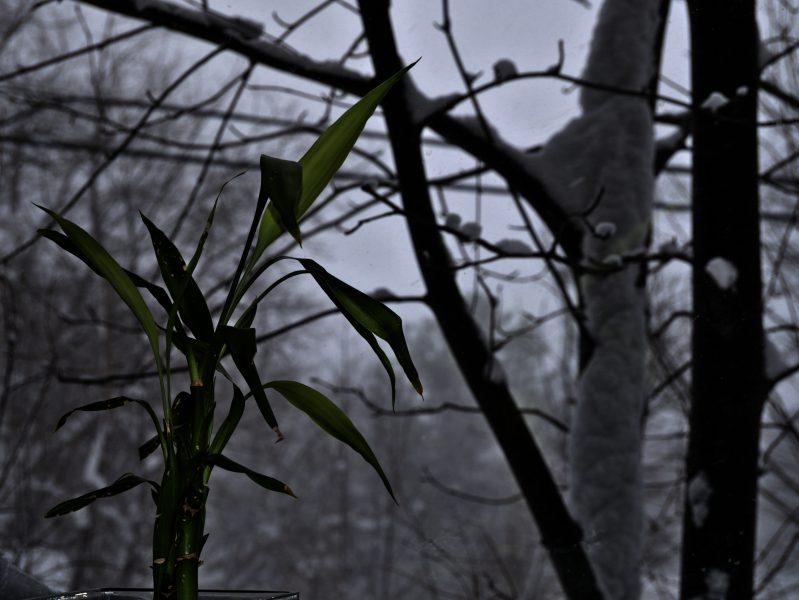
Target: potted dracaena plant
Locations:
point(184, 432)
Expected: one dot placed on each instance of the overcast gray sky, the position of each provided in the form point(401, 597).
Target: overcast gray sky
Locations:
point(525, 113)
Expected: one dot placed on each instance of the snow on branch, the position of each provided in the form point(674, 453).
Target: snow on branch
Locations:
point(240, 35)
point(621, 48)
point(723, 272)
point(714, 102)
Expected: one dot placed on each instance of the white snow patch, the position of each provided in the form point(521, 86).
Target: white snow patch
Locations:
point(504, 69)
point(612, 260)
point(605, 229)
point(479, 127)
point(471, 230)
point(717, 584)
point(620, 49)
point(674, 141)
point(576, 181)
point(452, 220)
point(425, 108)
point(715, 101)
point(497, 374)
point(670, 247)
point(742, 91)
point(764, 55)
point(699, 492)
point(513, 246)
point(421, 107)
point(775, 365)
point(722, 271)
point(91, 470)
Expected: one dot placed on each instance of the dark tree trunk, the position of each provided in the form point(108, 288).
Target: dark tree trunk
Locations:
point(727, 344)
point(560, 534)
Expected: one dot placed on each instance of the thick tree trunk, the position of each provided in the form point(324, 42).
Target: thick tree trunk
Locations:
point(600, 166)
point(727, 343)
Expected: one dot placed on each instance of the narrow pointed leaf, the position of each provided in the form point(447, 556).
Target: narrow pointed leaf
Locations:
point(109, 404)
point(156, 291)
point(248, 316)
point(242, 346)
point(182, 410)
point(246, 263)
point(100, 261)
point(281, 181)
point(331, 419)
point(212, 355)
point(123, 484)
point(64, 242)
point(324, 158)
point(269, 483)
point(368, 316)
point(230, 423)
point(192, 306)
point(148, 447)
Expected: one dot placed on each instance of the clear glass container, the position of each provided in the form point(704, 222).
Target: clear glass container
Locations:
point(147, 594)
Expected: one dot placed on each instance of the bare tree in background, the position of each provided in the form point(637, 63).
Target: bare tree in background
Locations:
point(594, 210)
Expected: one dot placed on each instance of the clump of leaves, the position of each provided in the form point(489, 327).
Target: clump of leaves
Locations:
point(184, 431)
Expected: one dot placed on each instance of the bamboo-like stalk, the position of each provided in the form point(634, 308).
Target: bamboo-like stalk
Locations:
point(185, 438)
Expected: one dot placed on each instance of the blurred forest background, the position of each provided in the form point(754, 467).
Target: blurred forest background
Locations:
point(108, 115)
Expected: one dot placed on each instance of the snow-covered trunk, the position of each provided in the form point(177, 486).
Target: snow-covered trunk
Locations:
point(607, 154)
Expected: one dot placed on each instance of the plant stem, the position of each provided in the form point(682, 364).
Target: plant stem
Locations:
point(190, 540)
point(164, 531)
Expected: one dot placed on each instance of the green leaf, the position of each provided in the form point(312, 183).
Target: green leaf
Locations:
point(192, 306)
point(64, 242)
point(331, 419)
point(242, 346)
point(324, 158)
point(281, 181)
point(248, 316)
point(100, 261)
point(368, 316)
point(182, 410)
point(230, 423)
point(109, 404)
point(123, 484)
point(264, 481)
point(244, 266)
point(148, 447)
point(165, 528)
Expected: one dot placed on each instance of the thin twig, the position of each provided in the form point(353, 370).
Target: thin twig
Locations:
point(433, 410)
point(75, 53)
point(115, 153)
point(212, 152)
point(428, 478)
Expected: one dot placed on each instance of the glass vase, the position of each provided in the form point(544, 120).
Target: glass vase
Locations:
point(147, 594)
